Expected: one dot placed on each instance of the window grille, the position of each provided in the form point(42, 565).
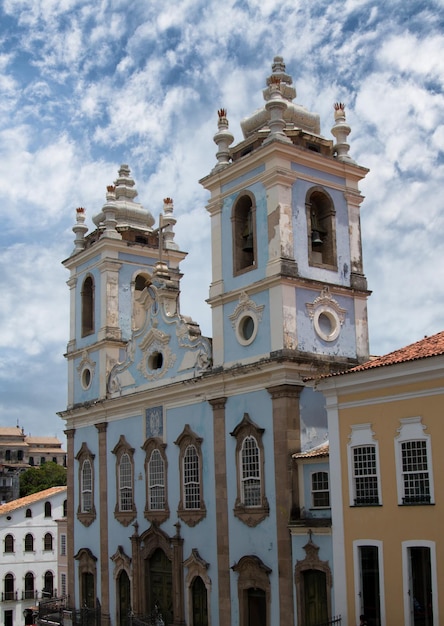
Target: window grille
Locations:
point(86, 487)
point(415, 472)
point(156, 470)
point(250, 479)
point(191, 478)
point(320, 490)
point(126, 479)
point(365, 475)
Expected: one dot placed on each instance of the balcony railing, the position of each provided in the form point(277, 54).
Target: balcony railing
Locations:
point(9, 596)
point(27, 594)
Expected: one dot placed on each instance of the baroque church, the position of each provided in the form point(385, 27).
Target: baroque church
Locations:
point(198, 480)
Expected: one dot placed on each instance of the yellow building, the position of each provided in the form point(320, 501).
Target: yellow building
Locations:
point(386, 428)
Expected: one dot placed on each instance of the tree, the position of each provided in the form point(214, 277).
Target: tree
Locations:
point(38, 478)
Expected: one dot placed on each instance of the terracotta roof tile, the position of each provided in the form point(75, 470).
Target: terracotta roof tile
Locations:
point(427, 347)
point(27, 500)
point(422, 349)
point(322, 450)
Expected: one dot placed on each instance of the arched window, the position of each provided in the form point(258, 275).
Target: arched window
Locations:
point(9, 543)
point(156, 508)
point(320, 493)
point(47, 541)
point(244, 234)
point(156, 474)
point(48, 589)
point(191, 478)
point(250, 473)
point(125, 484)
point(141, 282)
point(87, 296)
point(251, 504)
point(86, 486)
point(191, 506)
point(9, 587)
point(321, 228)
point(125, 510)
point(28, 512)
point(48, 509)
point(29, 543)
point(20, 455)
point(65, 507)
point(8, 455)
point(86, 512)
point(29, 586)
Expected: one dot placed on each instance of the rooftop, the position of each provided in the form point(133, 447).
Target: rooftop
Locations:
point(9, 507)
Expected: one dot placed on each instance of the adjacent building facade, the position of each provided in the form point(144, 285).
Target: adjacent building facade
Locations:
point(19, 452)
point(29, 542)
point(186, 484)
point(386, 430)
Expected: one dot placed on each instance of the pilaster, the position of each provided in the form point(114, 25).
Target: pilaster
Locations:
point(222, 531)
point(103, 519)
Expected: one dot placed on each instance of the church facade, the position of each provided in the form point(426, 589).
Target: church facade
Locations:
point(198, 480)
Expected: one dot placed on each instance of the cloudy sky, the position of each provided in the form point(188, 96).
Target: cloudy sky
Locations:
point(88, 84)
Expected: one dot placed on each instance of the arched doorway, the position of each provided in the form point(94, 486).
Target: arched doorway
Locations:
point(199, 602)
point(124, 598)
point(159, 582)
point(315, 597)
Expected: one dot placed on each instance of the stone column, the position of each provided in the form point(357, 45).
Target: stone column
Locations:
point(287, 440)
point(103, 520)
point(136, 572)
point(220, 470)
point(178, 590)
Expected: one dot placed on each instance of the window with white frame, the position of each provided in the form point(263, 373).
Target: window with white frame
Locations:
point(363, 464)
point(156, 481)
point(125, 484)
point(86, 486)
point(86, 512)
point(250, 474)
point(191, 480)
point(125, 510)
point(191, 507)
point(320, 493)
point(413, 453)
point(251, 505)
point(156, 507)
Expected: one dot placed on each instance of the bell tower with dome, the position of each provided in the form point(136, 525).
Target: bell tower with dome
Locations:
point(287, 273)
point(111, 269)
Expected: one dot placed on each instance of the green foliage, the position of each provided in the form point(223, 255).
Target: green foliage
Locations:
point(38, 478)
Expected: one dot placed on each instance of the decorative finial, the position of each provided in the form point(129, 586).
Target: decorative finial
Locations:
point(223, 138)
point(79, 229)
point(341, 131)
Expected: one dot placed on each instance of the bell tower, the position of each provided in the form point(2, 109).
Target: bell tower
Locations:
point(287, 272)
point(124, 252)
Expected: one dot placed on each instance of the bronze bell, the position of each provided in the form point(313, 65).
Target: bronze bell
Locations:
point(316, 238)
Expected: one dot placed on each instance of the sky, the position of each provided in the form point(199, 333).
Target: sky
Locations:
point(86, 85)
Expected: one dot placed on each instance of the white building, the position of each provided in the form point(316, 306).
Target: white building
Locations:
point(30, 547)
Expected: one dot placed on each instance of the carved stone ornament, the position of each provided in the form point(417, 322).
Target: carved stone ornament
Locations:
point(86, 369)
point(246, 318)
point(327, 315)
point(154, 347)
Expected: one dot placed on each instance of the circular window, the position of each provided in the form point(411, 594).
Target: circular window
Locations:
point(86, 378)
point(155, 361)
point(327, 324)
point(246, 329)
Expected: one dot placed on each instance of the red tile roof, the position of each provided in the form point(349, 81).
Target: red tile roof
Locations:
point(427, 347)
point(27, 500)
point(322, 450)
